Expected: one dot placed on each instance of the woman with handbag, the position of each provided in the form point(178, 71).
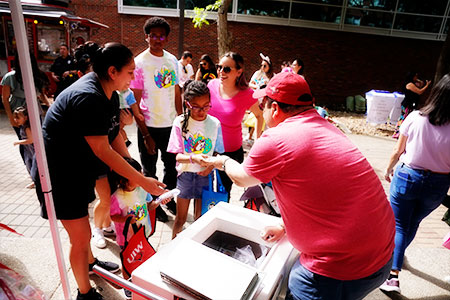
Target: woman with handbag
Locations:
point(422, 179)
point(195, 136)
point(231, 97)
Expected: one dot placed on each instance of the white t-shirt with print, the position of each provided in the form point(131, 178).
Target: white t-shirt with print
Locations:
point(184, 75)
point(202, 137)
point(156, 77)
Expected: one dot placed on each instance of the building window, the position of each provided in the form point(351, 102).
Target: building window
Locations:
point(405, 18)
point(369, 18)
point(49, 38)
point(429, 7)
point(279, 9)
point(320, 13)
point(152, 3)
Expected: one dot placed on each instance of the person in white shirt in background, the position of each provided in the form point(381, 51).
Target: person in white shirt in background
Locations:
point(185, 71)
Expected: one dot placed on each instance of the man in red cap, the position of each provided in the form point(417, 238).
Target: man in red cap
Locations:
point(333, 206)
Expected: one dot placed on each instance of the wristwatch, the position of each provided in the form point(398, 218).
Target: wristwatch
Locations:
point(223, 164)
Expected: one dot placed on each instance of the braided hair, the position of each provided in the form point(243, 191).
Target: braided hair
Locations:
point(191, 90)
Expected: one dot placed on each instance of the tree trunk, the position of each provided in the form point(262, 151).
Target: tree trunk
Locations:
point(443, 65)
point(223, 36)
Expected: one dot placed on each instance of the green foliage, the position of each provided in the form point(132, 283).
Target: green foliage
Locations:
point(200, 13)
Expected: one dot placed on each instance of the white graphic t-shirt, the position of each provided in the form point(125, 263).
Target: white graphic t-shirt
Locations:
point(202, 137)
point(156, 77)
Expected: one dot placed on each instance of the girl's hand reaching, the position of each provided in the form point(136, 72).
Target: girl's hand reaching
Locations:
point(206, 171)
point(153, 205)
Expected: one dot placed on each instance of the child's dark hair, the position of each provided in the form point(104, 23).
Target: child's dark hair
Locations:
point(156, 22)
point(22, 110)
point(118, 181)
point(84, 55)
point(191, 90)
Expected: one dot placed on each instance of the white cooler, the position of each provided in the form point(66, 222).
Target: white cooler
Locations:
point(186, 261)
point(382, 105)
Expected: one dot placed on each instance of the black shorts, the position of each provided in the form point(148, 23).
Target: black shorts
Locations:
point(71, 194)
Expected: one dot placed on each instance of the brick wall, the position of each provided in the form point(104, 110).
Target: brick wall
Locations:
point(337, 64)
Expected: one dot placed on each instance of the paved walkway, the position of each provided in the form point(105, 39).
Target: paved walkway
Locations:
point(33, 256)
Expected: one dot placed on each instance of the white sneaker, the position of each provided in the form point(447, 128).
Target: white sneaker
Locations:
point(391, 285)
point(98, 239)
point(109, 231)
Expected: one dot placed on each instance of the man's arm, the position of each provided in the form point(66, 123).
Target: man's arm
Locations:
point(234, 170)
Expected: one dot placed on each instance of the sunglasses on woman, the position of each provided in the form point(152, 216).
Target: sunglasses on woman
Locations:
point(198, 109)
point(225, 69)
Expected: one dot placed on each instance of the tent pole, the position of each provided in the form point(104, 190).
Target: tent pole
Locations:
point(36, 129)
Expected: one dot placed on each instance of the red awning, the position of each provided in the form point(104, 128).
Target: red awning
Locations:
point(51, 11)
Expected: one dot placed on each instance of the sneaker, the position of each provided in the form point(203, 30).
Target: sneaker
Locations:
point(31, 186)
point(172, 207)
point(109, 231)
point(91, 295)
point(108, 266)
point(391, 285)
point(127, 293)
point(98, 239)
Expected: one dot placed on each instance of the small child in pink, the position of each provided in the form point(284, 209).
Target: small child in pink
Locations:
point(130, 200)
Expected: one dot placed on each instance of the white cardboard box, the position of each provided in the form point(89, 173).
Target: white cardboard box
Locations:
point(239, 221)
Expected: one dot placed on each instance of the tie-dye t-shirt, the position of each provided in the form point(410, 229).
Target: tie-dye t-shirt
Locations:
point(135, 202)
point(126, 98)
point(156, 77)
point(202, 137)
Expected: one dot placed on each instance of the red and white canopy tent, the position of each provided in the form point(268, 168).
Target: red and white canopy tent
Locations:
point(41, 158)
point(33, 112)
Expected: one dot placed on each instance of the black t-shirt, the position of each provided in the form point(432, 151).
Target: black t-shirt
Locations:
point(81, 110)
point(61, 65)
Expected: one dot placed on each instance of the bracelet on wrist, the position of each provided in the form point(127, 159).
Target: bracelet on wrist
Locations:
point(146, 135)
point(190, 159)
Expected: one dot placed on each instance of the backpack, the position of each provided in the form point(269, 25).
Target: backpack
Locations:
point(261, 198)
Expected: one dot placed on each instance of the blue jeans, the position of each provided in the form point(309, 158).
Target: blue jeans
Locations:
point(414, 194)
point(306, 285)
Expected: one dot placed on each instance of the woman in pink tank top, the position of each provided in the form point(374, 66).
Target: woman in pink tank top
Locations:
point(230, 98)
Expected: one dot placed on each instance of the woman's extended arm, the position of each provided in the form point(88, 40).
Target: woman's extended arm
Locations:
point(398, 150)
point(411, 86)
point(102, 149)
point(259, 118)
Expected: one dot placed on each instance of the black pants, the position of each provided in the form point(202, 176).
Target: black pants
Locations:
point(161, 137)
point(238, 156)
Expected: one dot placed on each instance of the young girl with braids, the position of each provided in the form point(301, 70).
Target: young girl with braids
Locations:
point(195, 136)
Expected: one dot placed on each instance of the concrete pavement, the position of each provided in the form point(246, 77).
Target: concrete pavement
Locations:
point(33, 256)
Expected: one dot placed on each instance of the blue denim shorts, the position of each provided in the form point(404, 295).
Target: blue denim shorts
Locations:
point(191, 184)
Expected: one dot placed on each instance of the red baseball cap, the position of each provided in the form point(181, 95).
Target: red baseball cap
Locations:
point(287, 87)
